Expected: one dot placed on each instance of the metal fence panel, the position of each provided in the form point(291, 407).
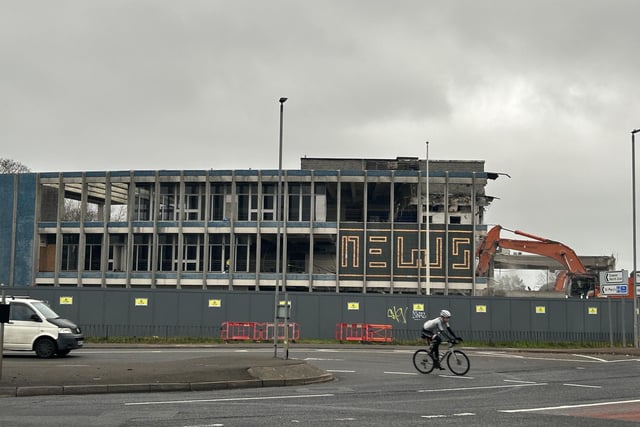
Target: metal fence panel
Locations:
point(179, 312)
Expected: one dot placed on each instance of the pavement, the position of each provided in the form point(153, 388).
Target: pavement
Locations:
point(61, 376)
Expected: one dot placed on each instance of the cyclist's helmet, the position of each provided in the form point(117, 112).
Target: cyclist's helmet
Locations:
point(445, 313)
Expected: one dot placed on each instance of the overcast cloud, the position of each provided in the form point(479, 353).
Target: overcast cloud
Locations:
point(546, 91)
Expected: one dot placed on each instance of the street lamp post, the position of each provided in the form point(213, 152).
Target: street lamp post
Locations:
point(278, 219)
point(428, 238)
point(633, 198)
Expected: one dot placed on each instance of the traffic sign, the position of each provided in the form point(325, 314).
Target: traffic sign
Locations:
point(614, 290)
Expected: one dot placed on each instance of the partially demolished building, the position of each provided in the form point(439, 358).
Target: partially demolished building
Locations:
point(346, 225)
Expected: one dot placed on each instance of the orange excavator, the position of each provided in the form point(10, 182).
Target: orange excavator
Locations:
point(574, 281)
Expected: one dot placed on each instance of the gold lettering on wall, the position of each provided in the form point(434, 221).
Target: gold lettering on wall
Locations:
point(350, 246)
point(466, 254)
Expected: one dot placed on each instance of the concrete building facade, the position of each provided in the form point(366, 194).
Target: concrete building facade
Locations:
point(346, 225)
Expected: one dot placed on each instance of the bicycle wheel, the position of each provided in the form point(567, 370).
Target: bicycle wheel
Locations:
point(458, 362)
point(422, 361)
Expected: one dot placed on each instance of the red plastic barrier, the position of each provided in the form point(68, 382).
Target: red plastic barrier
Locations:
point(364, 332)
point(240, 331)
point(257, 331)
point(379, 333)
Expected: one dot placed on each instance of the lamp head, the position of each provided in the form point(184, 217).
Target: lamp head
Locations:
point(283, 100)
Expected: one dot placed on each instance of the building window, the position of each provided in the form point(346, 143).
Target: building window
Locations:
point(117, 252)
point(247, 201)
point(220, 201)
point(168, 199)
point(299, 202)
point(167, 252)
point(143, 208)
point(141, 252)
point(93, 252)
point(352, 201)
point(192, 252)
point(218, 252)
point(269, 192)
point(70, 248)
point(194, 201)
point(244, 250)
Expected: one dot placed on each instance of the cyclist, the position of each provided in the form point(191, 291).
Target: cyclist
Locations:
point(432, 330)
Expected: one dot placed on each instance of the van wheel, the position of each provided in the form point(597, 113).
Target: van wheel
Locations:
point(45, 348)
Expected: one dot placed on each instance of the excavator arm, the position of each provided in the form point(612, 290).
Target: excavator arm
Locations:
point(576, 277)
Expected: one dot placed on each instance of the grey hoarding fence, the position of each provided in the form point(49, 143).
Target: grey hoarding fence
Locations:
point(200, 313)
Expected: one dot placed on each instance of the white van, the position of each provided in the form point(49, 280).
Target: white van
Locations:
point(34, 326)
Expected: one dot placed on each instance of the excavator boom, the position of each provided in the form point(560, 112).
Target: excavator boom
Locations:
point(574, 281)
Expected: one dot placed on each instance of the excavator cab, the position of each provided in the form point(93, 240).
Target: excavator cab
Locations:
point(582, 286)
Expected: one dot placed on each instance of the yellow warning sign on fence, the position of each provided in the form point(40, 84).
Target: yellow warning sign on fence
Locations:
point(142, 302)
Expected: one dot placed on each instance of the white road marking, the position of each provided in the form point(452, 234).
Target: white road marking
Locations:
point(322, 359)
point(344, 371)
point(462, 414)
point(230, 399)
point(583, 385)
point(461, 377)
point(400, 373)
point(516, 356)
point(480, 387)
point(583, 405)
point(519, 381)
point(589, 357)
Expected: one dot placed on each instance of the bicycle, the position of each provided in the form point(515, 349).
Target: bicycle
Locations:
point(457, 360)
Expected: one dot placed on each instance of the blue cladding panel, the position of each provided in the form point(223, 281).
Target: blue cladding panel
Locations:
point(6, 225)
point(25, 230)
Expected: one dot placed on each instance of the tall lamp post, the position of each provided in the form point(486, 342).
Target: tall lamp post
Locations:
point(428, 238)
point(635, 282)
point(278, 219)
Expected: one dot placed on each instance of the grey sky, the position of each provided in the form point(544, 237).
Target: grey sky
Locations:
point(546, 91)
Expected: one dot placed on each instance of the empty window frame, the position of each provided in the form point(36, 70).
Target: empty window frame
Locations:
point(192, 252)
point(352, 201)
point(220, 208)
point(167, 252)
point(143, 202)
point(299, 201)
point(194, 201)
point(269, 192)
point(70, 250)
point(141, 252)
point(245, 260)
point(218, 252)
point(247, 194)
point(93, 252)
point(117, 252)
point(169, 194)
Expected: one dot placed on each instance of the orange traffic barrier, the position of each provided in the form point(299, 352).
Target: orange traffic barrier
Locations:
point(379, 333)
point(257, 331)
point(240, 331)
point(364, 332)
